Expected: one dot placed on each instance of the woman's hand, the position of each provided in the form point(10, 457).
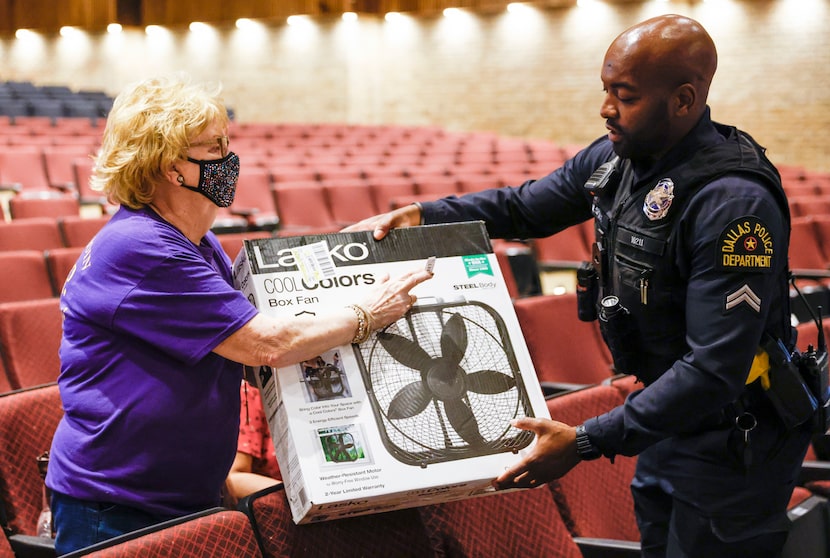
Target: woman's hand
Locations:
point(391, 299)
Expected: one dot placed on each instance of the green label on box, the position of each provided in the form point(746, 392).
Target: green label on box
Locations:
point(477, 264)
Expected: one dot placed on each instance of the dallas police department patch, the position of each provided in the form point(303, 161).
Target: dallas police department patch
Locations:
point(658, 200)
point(745, 245)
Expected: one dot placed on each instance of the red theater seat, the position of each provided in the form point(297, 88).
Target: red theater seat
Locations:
point(215, 533)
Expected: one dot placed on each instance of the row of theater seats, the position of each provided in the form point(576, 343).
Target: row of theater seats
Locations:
point(37, 254)
point(808, 195)
point(25, 99)
point(348, 171)
point(30, 320)
point(587, 513)
point(342, 174)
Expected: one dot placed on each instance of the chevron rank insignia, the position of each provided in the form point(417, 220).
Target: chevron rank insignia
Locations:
point(746, 245)
point(743, 295)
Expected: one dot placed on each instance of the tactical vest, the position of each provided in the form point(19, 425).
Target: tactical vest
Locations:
point(637, 259)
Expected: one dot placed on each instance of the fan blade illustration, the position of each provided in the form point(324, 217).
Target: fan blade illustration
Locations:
point(405, 351)
point(443, 379)
point(464, 422)
point(326, 382)
point(454, 339)
point(489, 382)
point(409, 401)
point(341, 446)
point(444, 384)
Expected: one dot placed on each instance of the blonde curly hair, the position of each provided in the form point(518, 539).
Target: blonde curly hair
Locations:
point(149, 128)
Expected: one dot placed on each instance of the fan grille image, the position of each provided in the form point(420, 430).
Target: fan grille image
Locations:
point(444, 384)
point(340, 447)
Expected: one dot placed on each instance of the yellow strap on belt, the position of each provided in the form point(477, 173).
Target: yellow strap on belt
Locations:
point(760, 369)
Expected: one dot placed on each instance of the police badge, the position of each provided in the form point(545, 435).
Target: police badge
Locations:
point(658, 201)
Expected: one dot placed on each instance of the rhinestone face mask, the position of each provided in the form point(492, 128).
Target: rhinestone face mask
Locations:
point(217, 179)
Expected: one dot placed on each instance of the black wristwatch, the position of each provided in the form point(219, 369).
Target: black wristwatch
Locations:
point(584, 447)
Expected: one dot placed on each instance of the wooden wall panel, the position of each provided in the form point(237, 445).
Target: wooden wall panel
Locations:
point(6, 16)
point(175, 12)
point(49, 16)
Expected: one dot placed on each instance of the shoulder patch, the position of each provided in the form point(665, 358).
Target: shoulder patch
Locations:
point(745, 245)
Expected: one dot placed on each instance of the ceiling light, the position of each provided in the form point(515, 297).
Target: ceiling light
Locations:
point(199, 27)
point(24, 33)
point(298, 20)
point(68, 31)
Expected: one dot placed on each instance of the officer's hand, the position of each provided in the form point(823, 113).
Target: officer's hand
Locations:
point(553, 455)
point(408, 216)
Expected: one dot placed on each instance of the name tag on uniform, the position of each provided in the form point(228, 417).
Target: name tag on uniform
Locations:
point(640, 241)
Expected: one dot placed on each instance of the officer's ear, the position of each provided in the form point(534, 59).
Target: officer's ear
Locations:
point(684, 99)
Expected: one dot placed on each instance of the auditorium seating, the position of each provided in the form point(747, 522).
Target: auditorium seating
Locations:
point(254, 200)
point(82, 168)
point(339, 174)
point(5, 384)
point(5, 548)
point(232, 242)
point(77, 231)
point(350, 203)
point(563, 250)
point(519, 523)
point(59, 262)
point(60, 160)
point(24, 100)
point(472, 183)
point(595, 494)
point(387, 189)
point(30, 335)
point(24, 276)
point(596, 503)
point(565, 351)
point(30, 234)
point(396, 533)
point(303, 210)
point(808, 261)
point(22, 169)
point(513, 523)
point(214, 533)
point(821, 227)
point(47, 204)
point(502, 251)
point(28, 419)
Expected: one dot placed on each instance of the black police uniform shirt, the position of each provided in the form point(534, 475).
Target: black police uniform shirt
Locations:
point(727, 255)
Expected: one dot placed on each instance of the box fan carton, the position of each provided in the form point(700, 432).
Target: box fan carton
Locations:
point(418, 414)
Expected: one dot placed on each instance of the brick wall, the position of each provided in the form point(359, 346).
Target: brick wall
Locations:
point(534, 75)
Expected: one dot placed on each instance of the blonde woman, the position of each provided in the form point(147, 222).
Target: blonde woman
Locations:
point(155, 335)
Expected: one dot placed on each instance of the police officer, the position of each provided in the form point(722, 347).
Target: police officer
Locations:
point(692, 237)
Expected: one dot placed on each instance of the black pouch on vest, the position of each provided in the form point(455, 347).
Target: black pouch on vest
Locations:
point(789, 393)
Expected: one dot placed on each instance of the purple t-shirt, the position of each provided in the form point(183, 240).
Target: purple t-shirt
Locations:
point(152, 415)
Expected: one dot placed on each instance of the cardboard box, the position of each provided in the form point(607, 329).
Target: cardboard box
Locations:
point(418, 414)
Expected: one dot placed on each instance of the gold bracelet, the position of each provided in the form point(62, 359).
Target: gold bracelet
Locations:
point(364, 327)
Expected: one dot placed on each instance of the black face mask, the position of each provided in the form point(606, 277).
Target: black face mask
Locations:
point(217, 179)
